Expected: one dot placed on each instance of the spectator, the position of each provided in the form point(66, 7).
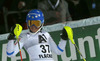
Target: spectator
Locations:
point(20, 5)
point(29, 4)
point(55, 11)
point(78, 9)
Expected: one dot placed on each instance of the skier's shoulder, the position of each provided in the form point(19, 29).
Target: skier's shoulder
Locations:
point(45, 32)
point(24, 35)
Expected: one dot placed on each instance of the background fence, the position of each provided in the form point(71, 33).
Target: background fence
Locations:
point(86, 35)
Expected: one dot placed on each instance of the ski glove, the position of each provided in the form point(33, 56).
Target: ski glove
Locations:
point(64, 35)
point(11, 35)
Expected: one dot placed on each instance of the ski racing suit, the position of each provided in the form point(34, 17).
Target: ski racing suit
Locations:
point(39, 46)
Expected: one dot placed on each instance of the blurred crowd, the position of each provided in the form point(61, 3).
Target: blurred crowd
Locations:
point(55, 11)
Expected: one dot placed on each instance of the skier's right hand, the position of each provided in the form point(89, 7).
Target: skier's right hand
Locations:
point(11, 35)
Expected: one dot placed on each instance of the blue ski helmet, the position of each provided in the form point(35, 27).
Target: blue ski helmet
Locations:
point(35, 15)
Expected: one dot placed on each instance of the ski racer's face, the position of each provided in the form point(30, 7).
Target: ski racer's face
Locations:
point(34, 25)
point(33, 29)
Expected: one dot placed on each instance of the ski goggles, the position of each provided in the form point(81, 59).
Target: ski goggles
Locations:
point(36, 23)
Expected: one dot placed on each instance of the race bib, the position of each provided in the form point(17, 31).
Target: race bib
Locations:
point(40, 51)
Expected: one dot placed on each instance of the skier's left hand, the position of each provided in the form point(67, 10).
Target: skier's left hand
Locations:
point(64, 35)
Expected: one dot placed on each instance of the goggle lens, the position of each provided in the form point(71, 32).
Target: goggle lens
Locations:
point(36, 23)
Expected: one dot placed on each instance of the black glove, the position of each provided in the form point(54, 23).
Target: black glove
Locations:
point(11, 35)
point(64, 35)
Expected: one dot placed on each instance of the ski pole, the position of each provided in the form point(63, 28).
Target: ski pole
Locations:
point(17, 32)
point(70, 36)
